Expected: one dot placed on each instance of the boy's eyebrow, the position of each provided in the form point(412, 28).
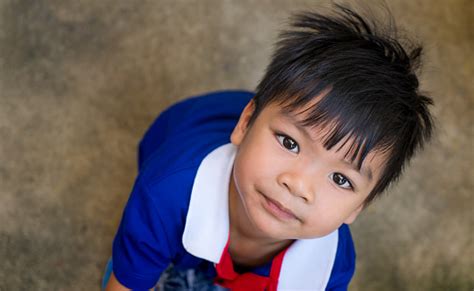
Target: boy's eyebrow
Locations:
point(297, 124)
point(363, 171)
point(367, 172)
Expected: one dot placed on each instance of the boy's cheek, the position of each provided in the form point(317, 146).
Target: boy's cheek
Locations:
point(353, 215)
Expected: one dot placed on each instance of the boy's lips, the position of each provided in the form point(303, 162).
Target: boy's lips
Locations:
point(277, 209)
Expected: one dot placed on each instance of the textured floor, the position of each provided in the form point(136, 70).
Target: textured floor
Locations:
point(81, 80)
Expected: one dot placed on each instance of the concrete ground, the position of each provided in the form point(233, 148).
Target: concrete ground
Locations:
point(81, 80)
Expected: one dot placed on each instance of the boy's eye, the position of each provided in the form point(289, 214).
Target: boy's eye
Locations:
point(288, 143)
point(341, 181)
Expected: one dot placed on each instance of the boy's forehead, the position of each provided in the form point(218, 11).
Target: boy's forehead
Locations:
point(297, 116)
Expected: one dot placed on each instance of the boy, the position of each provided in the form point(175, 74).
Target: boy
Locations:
point(332, 123)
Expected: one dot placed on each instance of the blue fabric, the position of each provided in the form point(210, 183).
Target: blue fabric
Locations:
point(344, 265)
point(149, 236)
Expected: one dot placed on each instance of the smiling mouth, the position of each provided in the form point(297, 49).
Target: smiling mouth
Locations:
point(276, 209)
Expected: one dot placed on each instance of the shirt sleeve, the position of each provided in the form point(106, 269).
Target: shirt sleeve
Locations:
point(344, 265)
point(141, 250)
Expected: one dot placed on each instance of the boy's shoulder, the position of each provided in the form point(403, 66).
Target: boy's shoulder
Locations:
point(186, 132)
point(179, 139)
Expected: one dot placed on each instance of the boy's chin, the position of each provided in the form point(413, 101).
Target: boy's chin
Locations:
point(279, 232)
point(273, 229)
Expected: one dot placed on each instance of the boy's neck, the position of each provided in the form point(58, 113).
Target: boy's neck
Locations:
point(247, 246)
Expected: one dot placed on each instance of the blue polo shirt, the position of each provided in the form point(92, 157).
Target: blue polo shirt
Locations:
point(151, 234)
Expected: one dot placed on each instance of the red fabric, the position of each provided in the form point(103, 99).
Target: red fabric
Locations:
point(228, 278)
point(275, 270)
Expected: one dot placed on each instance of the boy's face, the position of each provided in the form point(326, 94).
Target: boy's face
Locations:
point(289, 185)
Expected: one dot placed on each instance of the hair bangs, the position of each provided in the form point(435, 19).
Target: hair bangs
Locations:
point(341, 123)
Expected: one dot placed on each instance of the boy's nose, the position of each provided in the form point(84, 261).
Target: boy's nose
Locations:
point(297, 186)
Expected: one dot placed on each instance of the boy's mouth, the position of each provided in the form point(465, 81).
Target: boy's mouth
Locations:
point(277, 209)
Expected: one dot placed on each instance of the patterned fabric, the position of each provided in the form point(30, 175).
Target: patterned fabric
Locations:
point(173, 279)
point(188, 280)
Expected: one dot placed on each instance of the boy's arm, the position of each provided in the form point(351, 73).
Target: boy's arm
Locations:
point(141, 249)
point(114, 285)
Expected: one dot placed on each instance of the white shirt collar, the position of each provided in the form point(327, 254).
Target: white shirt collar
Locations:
point(307, 263)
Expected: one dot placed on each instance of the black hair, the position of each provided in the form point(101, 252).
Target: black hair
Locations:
point(367, 81)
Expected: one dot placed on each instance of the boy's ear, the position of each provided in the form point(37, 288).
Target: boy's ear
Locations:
point(352, 217)
point(242, 126)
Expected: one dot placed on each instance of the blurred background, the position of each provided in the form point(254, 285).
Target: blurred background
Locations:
point(80, 81)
